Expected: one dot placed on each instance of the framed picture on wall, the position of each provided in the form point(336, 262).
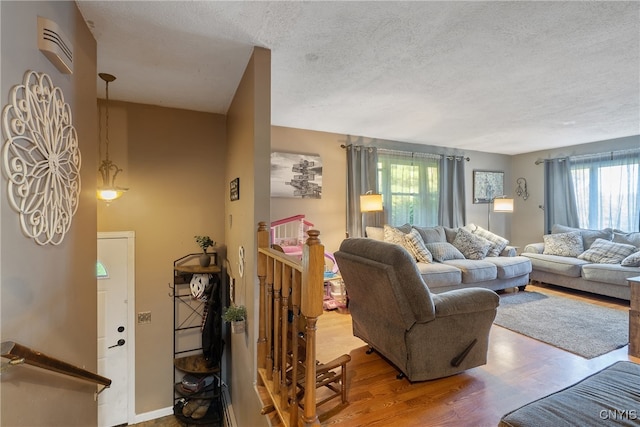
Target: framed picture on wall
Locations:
point(296, 175)
point(234, 189)
point(487, 185)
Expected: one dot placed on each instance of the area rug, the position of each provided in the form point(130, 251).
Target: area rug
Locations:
point(585, 329)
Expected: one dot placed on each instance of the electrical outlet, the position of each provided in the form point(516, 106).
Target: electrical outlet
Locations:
point(144, 317)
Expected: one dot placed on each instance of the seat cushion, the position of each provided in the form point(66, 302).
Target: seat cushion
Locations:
point(509, 267)
point(594, 401)
point(474, 271)
point(438, 274)
point(609, 273)
point(564, 266)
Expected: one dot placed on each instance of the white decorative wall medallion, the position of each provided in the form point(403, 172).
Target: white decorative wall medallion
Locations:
point(41, 158)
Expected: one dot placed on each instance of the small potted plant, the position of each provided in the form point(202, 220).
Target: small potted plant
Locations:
point(237, 316)
point(204, 242)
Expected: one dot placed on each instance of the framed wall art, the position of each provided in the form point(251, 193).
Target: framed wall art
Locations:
point(487, 185)
point(234, 189)
point(296, 175)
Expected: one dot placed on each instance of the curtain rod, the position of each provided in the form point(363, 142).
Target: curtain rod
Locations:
point(446, 156)
point(584, 156)
point(419, 153)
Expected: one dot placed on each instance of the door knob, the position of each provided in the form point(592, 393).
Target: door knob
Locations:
point(120, 328)
point(118, 344)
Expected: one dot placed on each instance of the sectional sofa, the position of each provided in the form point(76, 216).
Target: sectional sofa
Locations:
point(597, 261)
point(464, 257)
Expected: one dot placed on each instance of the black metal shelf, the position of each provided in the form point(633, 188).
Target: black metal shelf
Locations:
point(189, 318)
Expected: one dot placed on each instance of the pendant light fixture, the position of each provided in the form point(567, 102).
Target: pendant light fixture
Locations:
point(108, 191)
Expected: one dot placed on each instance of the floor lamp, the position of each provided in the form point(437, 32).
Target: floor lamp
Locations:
point(500, 204)
point(369, 202)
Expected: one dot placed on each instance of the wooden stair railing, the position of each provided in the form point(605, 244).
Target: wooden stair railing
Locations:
point(291, 294)
point(17, 354)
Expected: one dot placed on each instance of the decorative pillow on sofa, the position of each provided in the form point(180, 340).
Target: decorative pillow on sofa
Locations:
point(431, 234)
point(632, 260)
point(628, 238)
point(606, 252)
point(471, 245)
point(415, 245)
point(394, 235)
point(451, 233)
point(588, 236)
point(443, 251)
point(375, 233)
point(563, 244)
point(498, 243)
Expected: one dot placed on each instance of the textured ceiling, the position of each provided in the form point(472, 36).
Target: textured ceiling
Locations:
point(500, 77)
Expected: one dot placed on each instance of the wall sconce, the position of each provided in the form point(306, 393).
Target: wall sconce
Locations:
point(521, 190)
point(370, 202)
point(108, 191)
point(500, 204)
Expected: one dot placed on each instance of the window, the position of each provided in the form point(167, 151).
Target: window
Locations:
point(409, 184)
point(606, 190)
point(101, 271)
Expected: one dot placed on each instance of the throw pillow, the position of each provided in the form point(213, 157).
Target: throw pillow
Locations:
point(606, 252)
point(443, 251)
point(628, 238)
point(563, 244)
point(450, 233)
point(632, 260)
point(498, 243)
point(471, 245)
point(431, 234)
point(405, 228)
point(414, 243)
point(375, 233)
point(393, 235)
point(588, 236)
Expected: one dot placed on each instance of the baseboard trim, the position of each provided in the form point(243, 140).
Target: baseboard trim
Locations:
point(229, 416)
point(152, 415)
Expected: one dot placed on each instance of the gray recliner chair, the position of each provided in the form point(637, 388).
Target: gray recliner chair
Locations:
point(425, 335)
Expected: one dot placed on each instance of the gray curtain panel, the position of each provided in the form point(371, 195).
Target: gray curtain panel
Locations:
point(559, 197)
point(362, 163)
point(452, 211)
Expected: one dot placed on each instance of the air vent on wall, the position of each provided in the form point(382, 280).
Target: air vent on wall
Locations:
point(55, 45)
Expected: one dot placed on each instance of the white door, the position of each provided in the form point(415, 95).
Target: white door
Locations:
point(115, 326)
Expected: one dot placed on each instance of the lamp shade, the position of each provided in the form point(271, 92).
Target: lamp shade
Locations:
point(503, 205)
point(370, 202)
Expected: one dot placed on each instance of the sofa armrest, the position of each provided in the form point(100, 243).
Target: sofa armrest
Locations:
point(462, 301)
point(509, 251)
point(534, 248)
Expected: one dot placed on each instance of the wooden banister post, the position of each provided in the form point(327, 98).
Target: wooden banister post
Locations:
point(277, 326)
point(263, 242)
point(311, 305)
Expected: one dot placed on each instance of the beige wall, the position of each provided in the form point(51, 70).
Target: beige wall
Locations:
point(328, 213)
point(175, 172)
point(48, 293)
point(248, 126)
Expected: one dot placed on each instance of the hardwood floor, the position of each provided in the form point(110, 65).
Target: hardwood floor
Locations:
point(519, 370)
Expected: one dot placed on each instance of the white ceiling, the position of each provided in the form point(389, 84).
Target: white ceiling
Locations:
point(500, 77)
